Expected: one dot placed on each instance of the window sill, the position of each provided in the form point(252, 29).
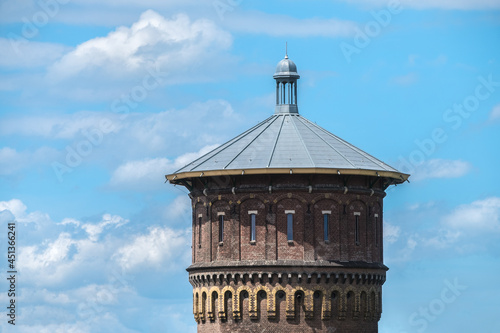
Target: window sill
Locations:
point(221, 243)
point(327, 241)
point(290, 242)
point(253, 242)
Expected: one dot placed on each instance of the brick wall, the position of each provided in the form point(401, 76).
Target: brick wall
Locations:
point(347, 265)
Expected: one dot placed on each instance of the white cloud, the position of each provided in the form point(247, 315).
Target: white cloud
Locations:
point(150, 173)
point(478, 216)
point(434, 4)
point(405, 80)
point(495, 112)
point(95, 229)
point(104, 13)
point(46, 296)
point(439, 168)
point(65, 126)
point(179, 208)
point(21, 53)
point(282, 25)
point(18, 210)
point(155, 249)
point(135, 135)
point(15, 206)
point(70, 221)
point(74, 281)
point(442, 238)
point(12, 161)
point(33, 258)
point(391, 233)
point(152, 42)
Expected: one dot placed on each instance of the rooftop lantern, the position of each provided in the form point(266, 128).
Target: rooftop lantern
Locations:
point(286, 77)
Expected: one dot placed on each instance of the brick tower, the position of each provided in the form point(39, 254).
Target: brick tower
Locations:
point(287, 227)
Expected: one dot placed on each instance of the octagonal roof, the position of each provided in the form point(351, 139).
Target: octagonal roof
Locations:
point(287, 143)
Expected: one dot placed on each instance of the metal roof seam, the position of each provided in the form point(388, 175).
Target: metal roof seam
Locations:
point(360, 151)
point(276, 141)
point(224, 145)
point(338, 152)
point(251, 141)
point(301, 139)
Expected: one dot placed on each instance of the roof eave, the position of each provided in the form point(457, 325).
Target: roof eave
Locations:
point(398, 177)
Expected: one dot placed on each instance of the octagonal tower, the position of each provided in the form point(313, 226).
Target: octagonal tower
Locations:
point(287, 227)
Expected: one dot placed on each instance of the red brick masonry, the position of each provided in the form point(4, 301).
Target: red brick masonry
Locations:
point(312, 283)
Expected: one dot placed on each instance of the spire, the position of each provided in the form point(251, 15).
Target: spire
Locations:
point(286, 77)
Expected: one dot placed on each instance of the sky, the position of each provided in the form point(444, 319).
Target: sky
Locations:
point(100, 99)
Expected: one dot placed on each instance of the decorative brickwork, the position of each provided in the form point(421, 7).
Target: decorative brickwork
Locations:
point(238, 301)
point(311, 283)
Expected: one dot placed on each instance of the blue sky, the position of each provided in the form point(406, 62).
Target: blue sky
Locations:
point(101, 99)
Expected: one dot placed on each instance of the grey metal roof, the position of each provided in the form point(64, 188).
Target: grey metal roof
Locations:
point(286, 68)
point(286, 141)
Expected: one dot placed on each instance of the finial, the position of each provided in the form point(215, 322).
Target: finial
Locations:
point(286, 50)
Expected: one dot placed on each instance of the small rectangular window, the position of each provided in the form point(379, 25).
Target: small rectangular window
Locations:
point(221, 228)
point(252, 227)
point(199, 231)
point(356, 230)
point(289, 226)
point(326, 227)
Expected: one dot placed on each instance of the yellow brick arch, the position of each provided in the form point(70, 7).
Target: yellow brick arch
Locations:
point(222, 303)
point(202, 304)
point(255, 297)
point(356, 294)
point(196, 303)
point(341, 306)
point(271, 305)
point(236, 301)
point(325, 301)
point(210, 302)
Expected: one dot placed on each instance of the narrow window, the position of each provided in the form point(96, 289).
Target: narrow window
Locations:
point(356, 230)
point(289, 226)
point(221, 228)
point(199, 230)
point(252, 227)
point(376, 230)
point(326, 227)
